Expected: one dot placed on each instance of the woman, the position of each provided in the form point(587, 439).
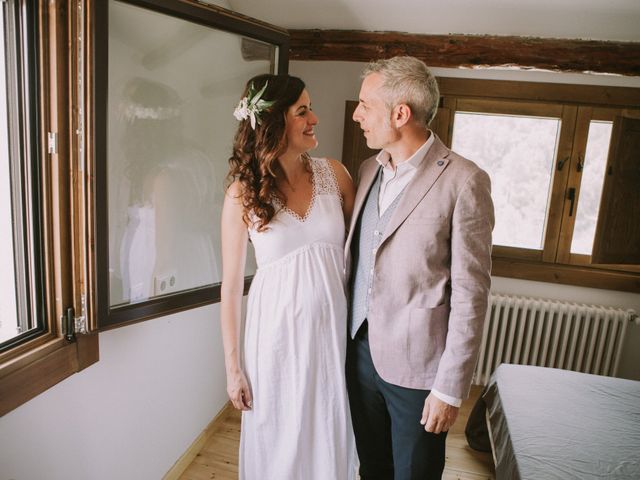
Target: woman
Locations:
point(288, 379)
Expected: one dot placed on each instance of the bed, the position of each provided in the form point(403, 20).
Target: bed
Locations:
point(546, 423)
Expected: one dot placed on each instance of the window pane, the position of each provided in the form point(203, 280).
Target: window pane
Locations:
point(20, 281)
point(595, 161)
point(173, 86)
point(8, 312)
point(518, 153)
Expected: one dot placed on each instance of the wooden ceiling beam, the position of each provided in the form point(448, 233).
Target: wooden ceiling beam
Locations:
point(453, 51)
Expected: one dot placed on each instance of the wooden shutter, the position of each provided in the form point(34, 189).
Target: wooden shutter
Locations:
point(617, 238)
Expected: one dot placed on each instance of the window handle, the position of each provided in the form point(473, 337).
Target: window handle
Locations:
point(572, 197)
point(69, 330)
point(561, 163)
point(580, 164)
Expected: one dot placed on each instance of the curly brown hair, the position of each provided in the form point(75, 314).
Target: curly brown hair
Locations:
point(254, 161)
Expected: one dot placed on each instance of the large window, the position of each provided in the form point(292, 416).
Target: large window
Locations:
point(165, 130)
point(549, 153)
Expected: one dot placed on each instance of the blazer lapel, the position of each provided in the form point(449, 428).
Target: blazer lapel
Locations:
point(428, 172)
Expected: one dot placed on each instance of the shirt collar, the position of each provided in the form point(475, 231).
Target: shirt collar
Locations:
point(383, 157)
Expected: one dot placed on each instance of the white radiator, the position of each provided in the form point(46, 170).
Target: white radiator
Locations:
point(551, 333)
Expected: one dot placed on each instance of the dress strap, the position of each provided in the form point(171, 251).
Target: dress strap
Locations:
point(325, 179)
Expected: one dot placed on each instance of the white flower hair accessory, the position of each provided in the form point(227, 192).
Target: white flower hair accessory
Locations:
point(252, 105)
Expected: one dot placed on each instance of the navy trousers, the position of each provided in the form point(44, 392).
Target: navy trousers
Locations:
point(391, 442)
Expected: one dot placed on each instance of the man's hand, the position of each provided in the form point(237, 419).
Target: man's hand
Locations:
point(438, 416)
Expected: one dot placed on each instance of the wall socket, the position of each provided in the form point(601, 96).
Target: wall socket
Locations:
point(165, 283)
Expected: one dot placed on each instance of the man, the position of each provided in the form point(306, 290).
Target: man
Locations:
point(420, 241)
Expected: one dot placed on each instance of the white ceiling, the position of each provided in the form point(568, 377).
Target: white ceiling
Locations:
point(586, 19)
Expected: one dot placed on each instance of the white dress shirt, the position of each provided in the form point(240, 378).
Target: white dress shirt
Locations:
point(393, 182)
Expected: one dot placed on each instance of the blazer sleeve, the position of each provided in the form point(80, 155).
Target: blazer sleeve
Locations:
point(471, 227)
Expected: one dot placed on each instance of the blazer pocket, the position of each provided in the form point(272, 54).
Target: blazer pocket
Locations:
point(426, 337)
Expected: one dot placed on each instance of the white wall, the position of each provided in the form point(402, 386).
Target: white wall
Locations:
point(131, 415)
point(330, 84)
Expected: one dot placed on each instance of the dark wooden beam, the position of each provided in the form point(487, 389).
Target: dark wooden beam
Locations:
point(455, 51)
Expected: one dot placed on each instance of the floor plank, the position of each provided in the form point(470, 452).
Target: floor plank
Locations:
point(218, 459)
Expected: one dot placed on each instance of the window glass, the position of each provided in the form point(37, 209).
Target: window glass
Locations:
point(20, 280)
point(173, 86)
point(8, 312)
point(518, 152)
point(595, 161)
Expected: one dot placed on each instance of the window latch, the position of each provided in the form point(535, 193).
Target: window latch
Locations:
point(572, 198)
point(73, 325)
point(52, 143)
point(561, 163)
point(70, 326)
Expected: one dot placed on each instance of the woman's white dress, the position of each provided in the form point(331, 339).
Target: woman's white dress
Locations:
point(295, 345)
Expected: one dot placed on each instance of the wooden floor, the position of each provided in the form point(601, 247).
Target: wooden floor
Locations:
point(218, 459)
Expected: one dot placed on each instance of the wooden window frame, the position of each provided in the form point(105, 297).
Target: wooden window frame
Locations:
point(32, 367)
point(585, 116)
point(617, 234)
point(575, 105)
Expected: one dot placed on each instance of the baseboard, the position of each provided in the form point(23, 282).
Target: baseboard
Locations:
point(187, 457)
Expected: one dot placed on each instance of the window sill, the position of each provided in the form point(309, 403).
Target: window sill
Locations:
point(566, 274)
point(28, 375)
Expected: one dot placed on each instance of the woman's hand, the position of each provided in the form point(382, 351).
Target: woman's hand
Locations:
point(239, 391)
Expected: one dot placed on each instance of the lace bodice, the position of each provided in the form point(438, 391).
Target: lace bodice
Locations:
point(322, 223)
point(324, 182)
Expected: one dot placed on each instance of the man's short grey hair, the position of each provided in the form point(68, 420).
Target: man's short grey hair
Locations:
point(408, 80)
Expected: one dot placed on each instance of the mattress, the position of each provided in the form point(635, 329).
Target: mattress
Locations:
point(546, 423)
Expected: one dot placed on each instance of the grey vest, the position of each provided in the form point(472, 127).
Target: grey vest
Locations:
point(369, 230)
